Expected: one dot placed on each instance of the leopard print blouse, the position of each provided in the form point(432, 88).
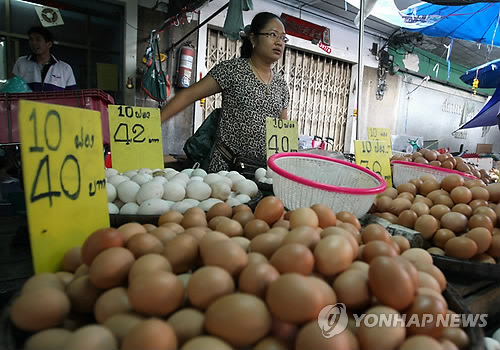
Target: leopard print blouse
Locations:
point(245, 105)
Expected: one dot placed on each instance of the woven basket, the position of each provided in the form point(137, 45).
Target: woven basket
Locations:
point(302, 180)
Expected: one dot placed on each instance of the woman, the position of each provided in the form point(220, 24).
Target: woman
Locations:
point(251, 91)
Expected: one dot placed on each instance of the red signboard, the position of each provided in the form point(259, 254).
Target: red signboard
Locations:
point(306, 30)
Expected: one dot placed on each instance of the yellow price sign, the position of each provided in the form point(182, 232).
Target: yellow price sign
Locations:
point(374, 155)
point(64, 181)
point(135, 137)
point(281, 136)
point(380, 134)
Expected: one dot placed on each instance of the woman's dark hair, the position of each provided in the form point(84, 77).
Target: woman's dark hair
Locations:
point(259, 21)
point(43, 32)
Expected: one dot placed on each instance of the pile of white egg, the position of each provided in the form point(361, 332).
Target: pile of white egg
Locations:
point(263, 175)
point(155, 191)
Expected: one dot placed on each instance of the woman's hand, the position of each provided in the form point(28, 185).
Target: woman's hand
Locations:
point(203, 88)
point(284, 114)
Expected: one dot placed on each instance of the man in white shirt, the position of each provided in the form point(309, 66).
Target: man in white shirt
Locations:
point(41, 70)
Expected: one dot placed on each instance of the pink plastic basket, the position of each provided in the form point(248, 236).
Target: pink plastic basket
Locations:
point(402, 172)
point(303, 179)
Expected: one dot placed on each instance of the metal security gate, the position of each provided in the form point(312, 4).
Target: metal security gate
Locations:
point(319, 88)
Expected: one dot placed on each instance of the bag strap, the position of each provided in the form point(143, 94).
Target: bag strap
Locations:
point(159, 54)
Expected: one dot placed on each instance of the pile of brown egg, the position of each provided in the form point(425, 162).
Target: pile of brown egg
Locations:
point(237, 279)
point(444, 160)
point(459, 217)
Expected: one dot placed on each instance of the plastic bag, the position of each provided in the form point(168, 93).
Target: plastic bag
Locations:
point(15, 85)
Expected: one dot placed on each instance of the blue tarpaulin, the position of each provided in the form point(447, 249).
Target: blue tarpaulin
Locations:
point(488, 75)
point(487, 116)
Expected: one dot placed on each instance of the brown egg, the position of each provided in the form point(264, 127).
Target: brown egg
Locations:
point(303, 217)
point(177, 228)
point(285, 331)
point(420, 208)
point(461, 247)
point(43, 280)
point(266, 244)
point(255, 278)
point(351, 288)
point(476, 203)
point(461, 194)
point(448, 345)
point(390, 283)
point(310, 336)
point(40, 309)
point(156, 294)
point(213, 223)
point(305, 235)
point(407, 187)
point(243, 217)
point(451, 181)
point(480, 220)
point(427, 225)
point(402, 242)
point(256, 258)
point(292, 298)
point(91, 337)
point(428, 177)
point(72, 259)
point(49, 339)
point(410, 268)
point(226, 254)
point(445, 200)
point(148, 263)
point(194, 217)
point(181, 252)
point(170, 216)
point(347, 217)
point(143, 244)
point(417, 182)
point(374, 249)
point(428, 186)
point(494, 249)
point(442, 236)
point(435, 163)
point(407, 195)
point(421, 160)
point(398, 205)
point(111, 302)
point(454, 221)
point(482, 237)
point(416, 155)
point(484, 258)
point(434, 272)
point(488, 212)
point(163, 234)
point(383, 203)
point(389, 192)
point(421, 199)
point(463, 208)
point(280, 231)
point(426, 280)
point(326, 216)
point(282, 223)
point(416, 255)
point(457, 336)
point(65, 277)
point(240, 208)
point(270, 209)
point(240, 319)
point(439, 210)
point(100, 240)
point(293, 257)
point(187, 324)
point(149, 227)
point(333, 254)
point(229, 227)
point(243, 242)
point(129, 229)
point(270, 343)
point(208, 284)
point(494, 190)
point(407, 218)
point(359, 265)
point(197, 232)
point(436, 193)
point(474, 183)
point(385, 336)
point(255, 227)
point(350, 228)
point(82, 294)
point(375, 232)
point(206, 342)
point(110, 268)
point(420, 342)
point(219, 209)
point(393, 219)
point(150, 334)
point(424, 306)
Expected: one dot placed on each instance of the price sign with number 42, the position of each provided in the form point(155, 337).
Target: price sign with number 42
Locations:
point(281, 136)
point(64, 182)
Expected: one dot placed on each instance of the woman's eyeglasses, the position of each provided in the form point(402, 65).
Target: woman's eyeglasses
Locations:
point(275, 36)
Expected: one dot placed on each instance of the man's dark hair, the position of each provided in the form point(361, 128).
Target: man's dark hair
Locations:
point(43, 32)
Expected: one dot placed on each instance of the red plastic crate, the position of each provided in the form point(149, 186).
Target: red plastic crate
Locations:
point(94, 99)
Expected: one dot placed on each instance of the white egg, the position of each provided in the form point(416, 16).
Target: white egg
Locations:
point(115, 180)
point(191, 201)
point(153, 206)
point(113, 209)
point(118, 203)
point(110, 172)
point(496, 335)
point(130, 174)
point(247, 187)
point(159, 179)
point(260, 173)
point(129, 209)
point(141, 178)
point(181, 207)
point(188, 171)
point(269, 172)
point(491, 344)
point(227, 180)
point(181, 176)
point(198, 190)
point(269, 181)
point(196, 178)
point(220, 190)
point(233, 172)
point(243, 198)
point(149, 190)
point(208, 203)
point(212, 178)
point(145, 171)
point(111, 192)
point(199, 172)
point(127, 191)
point(223, 172)
point(173, 191)
point(233, 202)
point(170, 174)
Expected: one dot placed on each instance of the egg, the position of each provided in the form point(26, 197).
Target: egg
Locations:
point(439, 210)
point(427, 305)
point(240, 319)
point(494, 249)
point(255, 227)
point(293, 257)
point(488, 212)
point(144, 244)
point(170, 216)
point(266, 244)
point(150, 334)
point(449, 182)
point(480, 220)
point(333, 254)
point(420, 342)
point(121, 323)
point(326, 216)
point(206, 342)
point(256, 277)
point(305, 235)
point(110, 268)
point(91, 337)
point(229, 227)
point(456, 222)
point(407, 218)
point(128, 230)
point(111, 302)
point(226, 254)
point(208, 284)
point(482, 237)
point(187, 324)
point(351, 288)
point(427, 225)
point(377, 248)
point(374, 232)
point(42, 280)
point(310, 336)
point(270, 209)
point(100, 240)
point(383, 203)
point(402, 242)
point(244, 217)
point(181, 252)
point(82, 294)
point(461, 247)
point(442, 236)
point(386, 336)
point(347, 217)
point(49, 339)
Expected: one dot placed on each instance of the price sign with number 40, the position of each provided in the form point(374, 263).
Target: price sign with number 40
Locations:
point(281, 136)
